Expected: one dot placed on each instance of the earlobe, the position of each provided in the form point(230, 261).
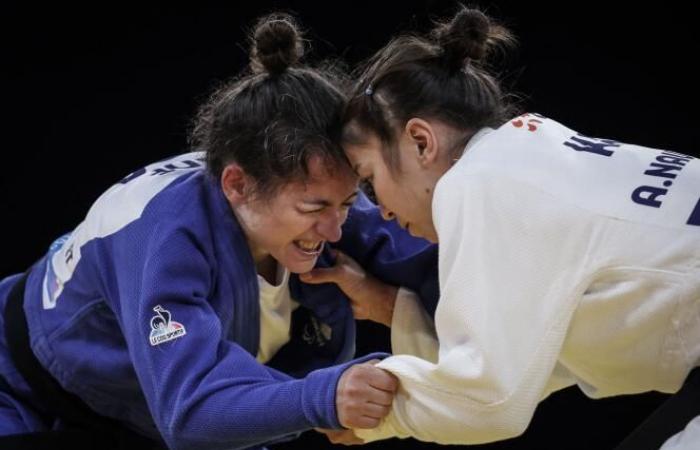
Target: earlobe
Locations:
point(233, 184)
point(423, 137)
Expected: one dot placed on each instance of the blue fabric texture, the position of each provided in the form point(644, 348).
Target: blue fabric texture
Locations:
point(149, 311)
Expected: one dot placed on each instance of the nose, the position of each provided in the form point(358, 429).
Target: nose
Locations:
point(386, 214)
point(329, 226)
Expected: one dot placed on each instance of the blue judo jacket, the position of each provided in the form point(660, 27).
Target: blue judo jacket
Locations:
point(149, 311)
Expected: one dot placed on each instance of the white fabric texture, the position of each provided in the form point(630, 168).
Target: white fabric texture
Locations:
point(412, 328)
point(557, 267)
point(687, 439)
point(276, 308)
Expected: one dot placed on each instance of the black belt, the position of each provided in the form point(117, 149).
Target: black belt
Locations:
point(73, 412)
point(669, 418)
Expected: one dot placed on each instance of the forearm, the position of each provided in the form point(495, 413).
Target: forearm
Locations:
point(382, 307)
point(433, 406)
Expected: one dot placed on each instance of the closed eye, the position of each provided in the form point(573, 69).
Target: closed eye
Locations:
point(319, 206)
point(368, 189)
point(311, 211)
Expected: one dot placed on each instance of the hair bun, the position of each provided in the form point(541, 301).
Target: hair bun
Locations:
point(468, 36)
point(276, 44)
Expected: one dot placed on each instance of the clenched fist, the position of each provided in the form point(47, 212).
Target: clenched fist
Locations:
point(364, 395)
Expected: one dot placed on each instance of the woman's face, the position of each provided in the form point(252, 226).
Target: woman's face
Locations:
point(294, 224)
point(404, 194)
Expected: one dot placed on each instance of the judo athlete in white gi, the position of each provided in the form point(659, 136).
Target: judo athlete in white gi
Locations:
point(564, 259)
point(174, 311)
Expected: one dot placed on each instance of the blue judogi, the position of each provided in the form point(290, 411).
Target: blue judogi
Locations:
point(149, 312)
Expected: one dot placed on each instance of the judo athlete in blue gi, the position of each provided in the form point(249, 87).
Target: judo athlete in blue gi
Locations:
point(174, 310)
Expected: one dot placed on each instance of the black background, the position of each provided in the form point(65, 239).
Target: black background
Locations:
point(91, 93)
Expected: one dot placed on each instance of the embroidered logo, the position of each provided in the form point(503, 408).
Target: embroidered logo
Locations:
point(316, 333)
point(531, 123)
point(163, 329)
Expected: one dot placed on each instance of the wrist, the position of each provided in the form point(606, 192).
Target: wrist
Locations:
point(386, 300)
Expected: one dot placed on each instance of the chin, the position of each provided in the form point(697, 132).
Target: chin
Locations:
point(414, 231)
point(299, 267)
point(430, 236)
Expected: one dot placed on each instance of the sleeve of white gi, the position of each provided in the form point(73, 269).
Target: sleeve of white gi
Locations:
point(512, 262)
point(687, 439)
point(412, 328)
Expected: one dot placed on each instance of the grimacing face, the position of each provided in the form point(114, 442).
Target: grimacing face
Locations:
point(294, 224)
point(401, 194)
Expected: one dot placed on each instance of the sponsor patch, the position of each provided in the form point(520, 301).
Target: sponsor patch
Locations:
point(163, 329)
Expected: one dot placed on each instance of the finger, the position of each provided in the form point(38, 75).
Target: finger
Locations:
point(349, 263)
point(379, 397)
point(365, 422)
point(344, 437)
point(322, 275)
point(335, 254)
point(342, 257)
point(333, 435)
point(345, 440)
point(381, 379)
point(355, 441)
point(348, 440)
point(375, 410)
point(359, 311)
point(334, 439)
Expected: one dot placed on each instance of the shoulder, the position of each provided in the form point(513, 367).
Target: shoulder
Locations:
point(147, 188)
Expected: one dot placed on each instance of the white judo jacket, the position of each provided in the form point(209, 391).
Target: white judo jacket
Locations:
point(563, 259)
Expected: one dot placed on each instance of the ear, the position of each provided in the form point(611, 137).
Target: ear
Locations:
point(235, 184)
point(422, 135)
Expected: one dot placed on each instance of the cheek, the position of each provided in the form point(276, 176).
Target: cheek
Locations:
point(344, 216)
point(275, 228)
point(294, 225)
point(387, 190)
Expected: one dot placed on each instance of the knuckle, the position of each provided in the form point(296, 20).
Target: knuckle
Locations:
point(352, 390)
point(372, 422)
point(390, 380)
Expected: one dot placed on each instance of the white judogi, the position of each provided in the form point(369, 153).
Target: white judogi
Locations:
point(563, 260)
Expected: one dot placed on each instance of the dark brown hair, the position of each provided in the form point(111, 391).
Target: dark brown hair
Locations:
point(440, 76)
point(275, 116)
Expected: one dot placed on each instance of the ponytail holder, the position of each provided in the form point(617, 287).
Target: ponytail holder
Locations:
point(369, 91)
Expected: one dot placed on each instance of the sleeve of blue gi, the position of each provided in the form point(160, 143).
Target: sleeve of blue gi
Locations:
point(203, 390)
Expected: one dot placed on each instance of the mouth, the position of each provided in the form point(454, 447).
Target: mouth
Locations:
point(309, 248)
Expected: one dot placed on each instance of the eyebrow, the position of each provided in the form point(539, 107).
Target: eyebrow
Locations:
point(327, 203)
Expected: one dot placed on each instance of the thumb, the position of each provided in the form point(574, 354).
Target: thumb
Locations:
point(334, 252)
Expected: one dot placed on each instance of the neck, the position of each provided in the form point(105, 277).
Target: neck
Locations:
point(459, 143)
point(248, 223)
point(267, 268)
point(262, 258)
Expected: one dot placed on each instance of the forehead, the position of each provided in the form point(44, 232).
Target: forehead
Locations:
point(336, 180)
point(365, 151)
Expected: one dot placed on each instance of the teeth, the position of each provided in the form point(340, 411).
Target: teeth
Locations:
point(308, 245)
